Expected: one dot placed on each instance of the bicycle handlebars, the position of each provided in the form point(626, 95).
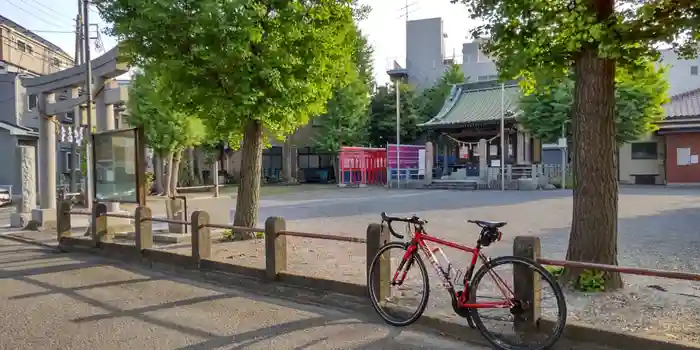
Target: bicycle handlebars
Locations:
point(415, 220)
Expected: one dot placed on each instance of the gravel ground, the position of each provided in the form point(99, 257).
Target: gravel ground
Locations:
point(657, 229)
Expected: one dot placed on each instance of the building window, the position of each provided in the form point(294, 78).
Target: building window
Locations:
point(68, 160)
point(493, 77)
point(482, 78)
point(31, 102)
point(693, 70)
point(21, 46)
point(644, 150)
point(56, 62)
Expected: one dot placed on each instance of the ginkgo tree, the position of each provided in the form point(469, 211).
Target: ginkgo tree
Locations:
point(257, 68)
point(346, 118)
point(167, 129)
point(549, 40)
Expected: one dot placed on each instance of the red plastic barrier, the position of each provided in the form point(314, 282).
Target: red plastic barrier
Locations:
point(362, 166)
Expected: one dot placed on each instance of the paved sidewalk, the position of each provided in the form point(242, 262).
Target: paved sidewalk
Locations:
point(54, 300)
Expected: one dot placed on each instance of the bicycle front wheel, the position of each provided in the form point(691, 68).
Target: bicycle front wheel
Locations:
point(493, 282)
point(405, 295)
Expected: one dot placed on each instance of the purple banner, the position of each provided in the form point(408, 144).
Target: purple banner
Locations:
point(409, 157)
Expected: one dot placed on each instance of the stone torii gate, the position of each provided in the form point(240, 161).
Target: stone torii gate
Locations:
point(105, 96)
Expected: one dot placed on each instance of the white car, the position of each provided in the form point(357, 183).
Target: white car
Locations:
point(5, 195)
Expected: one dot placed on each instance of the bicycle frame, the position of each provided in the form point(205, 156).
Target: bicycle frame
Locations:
point(461, 301)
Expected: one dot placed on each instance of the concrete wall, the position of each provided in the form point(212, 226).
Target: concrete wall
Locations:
point(679, 75)
point(9, 104)
point(9, 174)
point(476, 65)
point(629, 167)
point(425, 51)
point(29, 53)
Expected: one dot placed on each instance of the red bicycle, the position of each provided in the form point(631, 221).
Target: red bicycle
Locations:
point(465, 302)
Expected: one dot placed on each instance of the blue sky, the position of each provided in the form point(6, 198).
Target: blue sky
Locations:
point(385, 26)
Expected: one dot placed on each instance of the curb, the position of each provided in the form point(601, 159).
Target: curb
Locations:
point(12, 237)
point(576, 335)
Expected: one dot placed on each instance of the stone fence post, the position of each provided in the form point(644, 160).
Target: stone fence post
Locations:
point(99, 229)
point(526, 283)
point(143, 228)
point(377, 236)
point(63, 222)
point(275, 247)
point(201, 236)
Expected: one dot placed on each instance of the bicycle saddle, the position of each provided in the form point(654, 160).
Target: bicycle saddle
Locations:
point(488, 224)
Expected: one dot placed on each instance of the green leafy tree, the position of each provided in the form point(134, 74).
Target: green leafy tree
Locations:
point(167, 129)
point(347, 115)
point(589, 39)
point(382, 120)
point(432, 99)
point(638, 101)
point(256, 68)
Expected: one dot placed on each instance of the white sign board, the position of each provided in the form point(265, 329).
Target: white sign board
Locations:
point(231, 216)
point(464, 152)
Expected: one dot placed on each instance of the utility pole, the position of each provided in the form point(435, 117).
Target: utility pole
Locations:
point(75, 161)
point(398, 132)
point(89, 181)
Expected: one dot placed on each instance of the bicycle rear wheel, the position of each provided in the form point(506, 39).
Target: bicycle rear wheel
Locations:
point(390, 307)
point(499, 286)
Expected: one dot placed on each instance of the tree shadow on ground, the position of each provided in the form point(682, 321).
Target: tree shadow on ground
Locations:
point(237, 340)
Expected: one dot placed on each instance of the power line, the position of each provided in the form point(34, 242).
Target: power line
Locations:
point(44, 6)
point(41, 8)
point(33, 15)
point(52, 31)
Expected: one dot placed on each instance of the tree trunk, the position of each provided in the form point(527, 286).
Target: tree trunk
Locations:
point(249, 188)
point(199, 155)
point(335, 169)
point(287, 163)
point(190, 166)
point(594, 225)
point(158, 173)
point(177, 160)
point(168, 173)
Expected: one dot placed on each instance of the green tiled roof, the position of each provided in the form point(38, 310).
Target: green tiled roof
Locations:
point(477, 103)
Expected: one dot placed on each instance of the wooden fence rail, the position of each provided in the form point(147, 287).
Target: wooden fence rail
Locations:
point(275, 238)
